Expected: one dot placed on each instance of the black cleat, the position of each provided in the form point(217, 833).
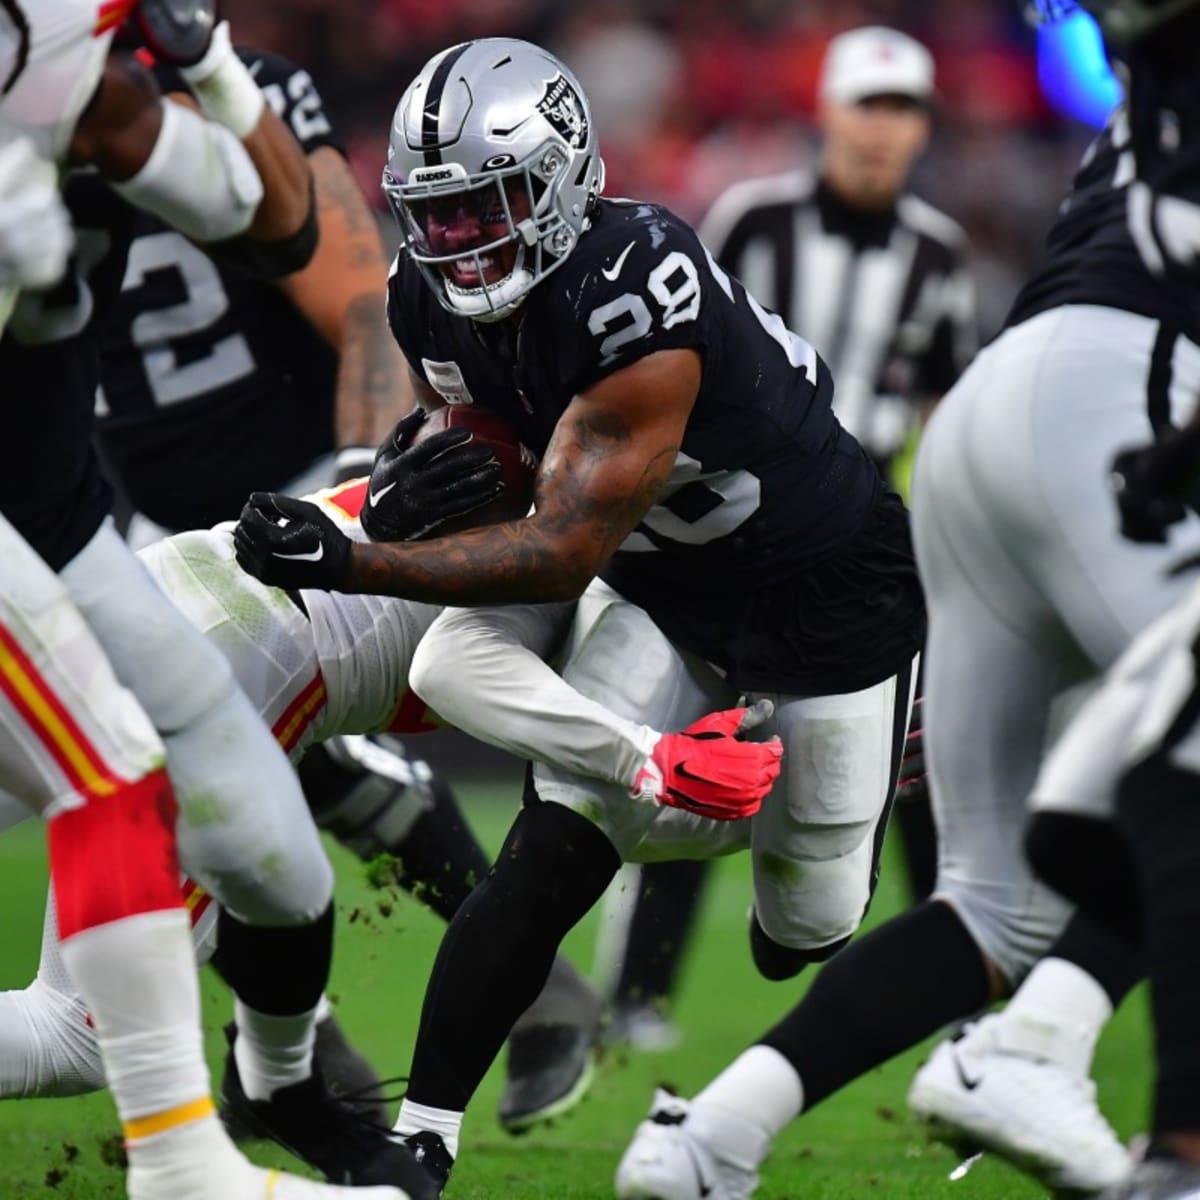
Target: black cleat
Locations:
point(550, 1069)
point(348, 1073)
point(327, 1132)
point(430, 1151)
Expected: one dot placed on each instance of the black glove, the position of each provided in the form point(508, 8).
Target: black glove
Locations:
point(177, 31)
point(913, 783)
point(1146, 483)
point(415, 489)
point(290, 543)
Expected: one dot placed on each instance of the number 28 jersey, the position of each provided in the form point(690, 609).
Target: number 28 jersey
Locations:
point(769, 497)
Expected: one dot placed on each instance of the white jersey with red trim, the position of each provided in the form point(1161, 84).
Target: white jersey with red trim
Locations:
point(337, 665)
point(52, 55)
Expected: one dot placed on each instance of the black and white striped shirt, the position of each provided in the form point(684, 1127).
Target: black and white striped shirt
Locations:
point(885, 298)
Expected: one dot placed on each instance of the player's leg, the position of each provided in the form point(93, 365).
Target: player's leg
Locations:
point(78, 746)
point(246, 835)
point(816, 844)
point(665, 907)
point(562, 852)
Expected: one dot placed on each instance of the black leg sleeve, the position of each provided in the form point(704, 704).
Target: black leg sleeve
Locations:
point(1112, 962)
point(497, 950)
point(664, 916)
point(1159, 811)
point(882, 994)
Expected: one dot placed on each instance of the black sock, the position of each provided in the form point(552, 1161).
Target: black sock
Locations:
point(1159, 810)
point(1090, 862)
point(438, 858)
point(1115, 965)
point(280, 972)
point(664, 916)
point(884, 993)
point(497, 951)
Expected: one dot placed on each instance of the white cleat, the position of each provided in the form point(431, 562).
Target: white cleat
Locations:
point(667, 1161)
point(1033, 1112)
point(204, 1165)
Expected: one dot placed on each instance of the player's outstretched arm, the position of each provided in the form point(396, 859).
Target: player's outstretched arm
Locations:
point(339, 292)
point(611, 452)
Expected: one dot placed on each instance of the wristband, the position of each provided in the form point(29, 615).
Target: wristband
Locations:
point(224, 86)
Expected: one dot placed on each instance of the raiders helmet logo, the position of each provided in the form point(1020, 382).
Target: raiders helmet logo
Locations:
point(563, 108)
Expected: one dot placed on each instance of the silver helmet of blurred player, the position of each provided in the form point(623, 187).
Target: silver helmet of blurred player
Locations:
point(1124, 22)
point(493, 168)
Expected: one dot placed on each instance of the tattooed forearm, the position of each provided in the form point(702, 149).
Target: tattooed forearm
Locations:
point(372, 392)
point(594, 487)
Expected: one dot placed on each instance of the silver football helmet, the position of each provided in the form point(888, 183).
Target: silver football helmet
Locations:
point(493, 168)
point(1124, 21)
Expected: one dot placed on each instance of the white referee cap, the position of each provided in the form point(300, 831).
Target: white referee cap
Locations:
point(875, 61)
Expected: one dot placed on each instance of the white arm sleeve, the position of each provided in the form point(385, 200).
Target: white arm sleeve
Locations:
point(198, 178)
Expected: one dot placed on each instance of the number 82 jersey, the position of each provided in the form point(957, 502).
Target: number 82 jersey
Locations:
point(769, 497)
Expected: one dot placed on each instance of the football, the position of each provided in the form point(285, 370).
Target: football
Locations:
point(518, 465)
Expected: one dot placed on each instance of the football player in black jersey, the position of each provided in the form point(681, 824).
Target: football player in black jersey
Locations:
point(116, 655)
point(702, 528)
point(202, 365)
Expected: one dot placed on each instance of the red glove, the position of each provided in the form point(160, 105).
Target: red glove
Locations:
point(708, 770)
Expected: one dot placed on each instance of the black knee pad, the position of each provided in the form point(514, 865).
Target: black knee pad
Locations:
point(776, 962)
point(1088, 861)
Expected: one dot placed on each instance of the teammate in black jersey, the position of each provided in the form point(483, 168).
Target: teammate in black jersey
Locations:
point(1029, 592)
point(719, 530)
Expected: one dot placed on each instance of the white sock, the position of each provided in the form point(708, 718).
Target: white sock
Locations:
point(324, 1009)
point(420, 1118)
point(747, 1105)
point(137, 977)
point(273, 1052)
point(1056, 1014)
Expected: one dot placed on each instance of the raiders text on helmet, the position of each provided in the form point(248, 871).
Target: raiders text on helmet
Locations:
point(492, 170)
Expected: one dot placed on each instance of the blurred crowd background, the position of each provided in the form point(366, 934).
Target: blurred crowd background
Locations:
point(691, 96)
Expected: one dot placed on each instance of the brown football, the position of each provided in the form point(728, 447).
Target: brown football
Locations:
point(517, 464)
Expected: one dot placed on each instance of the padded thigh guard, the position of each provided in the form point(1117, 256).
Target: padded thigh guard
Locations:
point(818, 837)
point(245, 833)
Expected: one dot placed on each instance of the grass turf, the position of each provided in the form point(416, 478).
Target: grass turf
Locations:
point(859, 1143)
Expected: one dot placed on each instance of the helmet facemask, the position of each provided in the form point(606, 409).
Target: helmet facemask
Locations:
point(482, 241)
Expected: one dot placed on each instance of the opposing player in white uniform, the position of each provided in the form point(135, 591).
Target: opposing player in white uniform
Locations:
point(1030, 596)
point(82, 740)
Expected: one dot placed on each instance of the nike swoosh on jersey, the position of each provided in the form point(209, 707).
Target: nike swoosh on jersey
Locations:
point(375, 497)
point(307, 556)
point(611, 273)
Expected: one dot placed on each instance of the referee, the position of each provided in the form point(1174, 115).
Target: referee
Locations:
point(877, 281)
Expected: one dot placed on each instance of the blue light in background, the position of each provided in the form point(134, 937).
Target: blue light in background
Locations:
point(1073, 71)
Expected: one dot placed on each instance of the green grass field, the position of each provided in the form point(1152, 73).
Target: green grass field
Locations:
point(859, 1143)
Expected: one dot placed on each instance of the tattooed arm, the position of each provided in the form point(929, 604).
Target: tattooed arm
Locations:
point(611, 452)
point(342, 293)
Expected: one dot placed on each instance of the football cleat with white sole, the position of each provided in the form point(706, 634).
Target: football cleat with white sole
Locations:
point(202, 1164)
point(975, 1095)
point(667, 1161)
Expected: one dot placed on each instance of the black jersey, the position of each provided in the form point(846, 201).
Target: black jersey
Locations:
point(774, 549)
point(51, 486)
point(1092, 254)
point(213, 384)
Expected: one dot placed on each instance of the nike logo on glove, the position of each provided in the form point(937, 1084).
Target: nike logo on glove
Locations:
point(611, 273)
point(307, 556)
point(375, 497)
